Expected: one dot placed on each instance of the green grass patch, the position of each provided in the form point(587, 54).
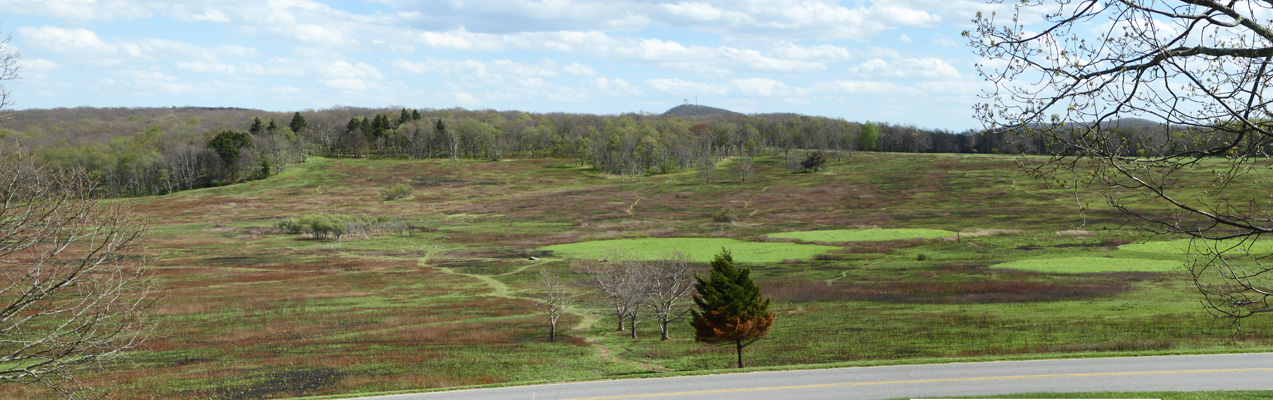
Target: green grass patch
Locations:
point(862, 235)
point(1191, 246)
point(1087, 265)
point(698, 249)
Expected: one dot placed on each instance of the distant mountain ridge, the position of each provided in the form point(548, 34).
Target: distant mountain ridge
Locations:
point(694, 110)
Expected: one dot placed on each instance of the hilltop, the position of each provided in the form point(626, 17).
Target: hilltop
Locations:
point(694, 110)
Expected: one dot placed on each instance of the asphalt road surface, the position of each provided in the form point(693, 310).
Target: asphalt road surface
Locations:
point(1165, 373)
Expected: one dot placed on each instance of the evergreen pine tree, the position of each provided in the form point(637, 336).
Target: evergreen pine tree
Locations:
point(731, 309)
point(298, 122)
point(257, 127)
point(415, 115)
point(354, 124)
point(404, 117)
point(379, 126)
point(272, 128)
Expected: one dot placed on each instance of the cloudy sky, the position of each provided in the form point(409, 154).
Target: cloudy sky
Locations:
point(900, 61)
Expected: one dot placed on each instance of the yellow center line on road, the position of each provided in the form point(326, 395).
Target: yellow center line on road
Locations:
point(982, 378)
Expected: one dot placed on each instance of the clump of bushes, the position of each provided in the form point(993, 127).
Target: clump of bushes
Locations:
point(334, 227)
point(395, 192)
point(725, 216)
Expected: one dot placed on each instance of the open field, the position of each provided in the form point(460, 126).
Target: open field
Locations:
point(697, 249)
point(251, 312)
point(1089, 265)
point(1187, 246)
point(862, 235)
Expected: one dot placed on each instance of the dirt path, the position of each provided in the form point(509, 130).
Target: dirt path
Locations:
point(636, 193)
point(499, 289)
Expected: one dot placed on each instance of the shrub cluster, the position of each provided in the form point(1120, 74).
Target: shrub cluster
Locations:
point(333, 227)
point(395, 192)
point(725, 216)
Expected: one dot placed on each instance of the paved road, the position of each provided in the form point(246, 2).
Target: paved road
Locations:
point(1167, 373)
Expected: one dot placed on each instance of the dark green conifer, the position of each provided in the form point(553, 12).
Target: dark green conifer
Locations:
point(257, 127)
point(298, 122)
point(731, 309)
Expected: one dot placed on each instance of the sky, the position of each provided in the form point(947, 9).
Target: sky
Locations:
point(895, 61)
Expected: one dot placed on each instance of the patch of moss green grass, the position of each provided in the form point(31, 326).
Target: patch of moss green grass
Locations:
point(1199, 395)
point(1189, 246)
point(862, 235)
point(697, 249)
point(1087, 265)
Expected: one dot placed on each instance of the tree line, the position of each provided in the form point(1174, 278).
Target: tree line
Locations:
point(187, 148)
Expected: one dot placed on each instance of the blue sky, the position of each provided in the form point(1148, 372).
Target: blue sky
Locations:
point(898, 61)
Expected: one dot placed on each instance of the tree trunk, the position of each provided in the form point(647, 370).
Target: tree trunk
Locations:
point(663, 328)
point(739, 343)
point(552, 332)
point(633, 326)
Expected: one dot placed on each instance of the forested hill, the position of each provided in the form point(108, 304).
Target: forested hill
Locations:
point(143, 151)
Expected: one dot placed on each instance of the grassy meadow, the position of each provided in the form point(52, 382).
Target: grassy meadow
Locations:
point(1000, 265)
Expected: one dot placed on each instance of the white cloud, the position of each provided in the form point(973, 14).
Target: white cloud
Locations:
point(822, 52)
point(699, 68)
point(909, 68)
point(204, 67)
point(685, 88)
point(61, 40)
point(905, 39)
point(945, 41)
point(465, 98)
point(38, 65)
point(84, 44)
point(477, 70)
point(343, 69)
point(759, 87)
point(83, 10)
point(696, 11)
point(861, 88)
point(958, 87)
point(615, 85)
point(579, 69)
point(352, 85)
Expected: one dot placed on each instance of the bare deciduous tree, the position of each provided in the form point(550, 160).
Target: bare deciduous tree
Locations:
point(623, 291)
point(75, 290)
point(630, 286)
point(1070, 71)
point(555, 298)
point(8, 70)
point(670, 281)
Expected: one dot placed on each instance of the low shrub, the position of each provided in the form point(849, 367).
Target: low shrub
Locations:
point(725, 216)
point(395, 192)
point(290, 225)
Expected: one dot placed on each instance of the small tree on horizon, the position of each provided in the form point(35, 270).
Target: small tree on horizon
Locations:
point(731, 309)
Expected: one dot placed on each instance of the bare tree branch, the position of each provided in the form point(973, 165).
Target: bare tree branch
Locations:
point(1197, 66)
point(74, 288)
